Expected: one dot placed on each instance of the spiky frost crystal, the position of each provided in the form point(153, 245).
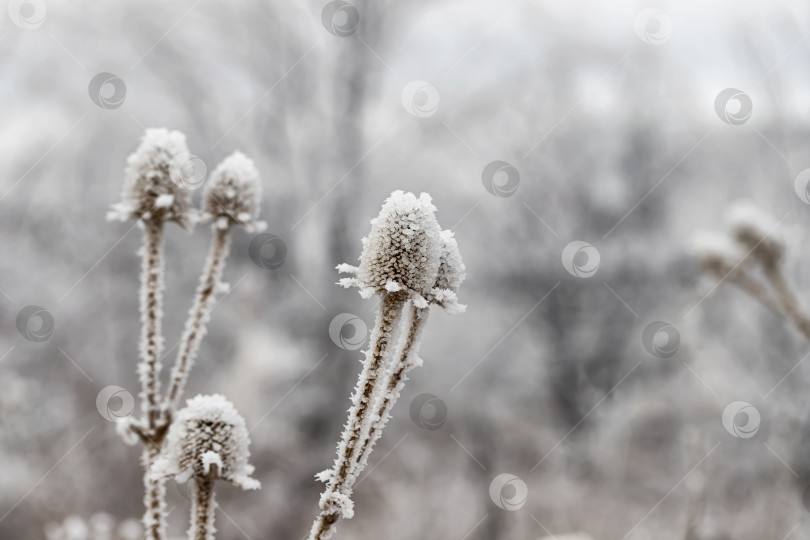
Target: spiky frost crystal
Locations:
point(208, 439)
point(150, 190)
point(233, 194)
point(402, 252)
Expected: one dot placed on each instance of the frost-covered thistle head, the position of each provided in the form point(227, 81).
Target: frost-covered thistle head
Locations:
point(717, 252)
point(450, 276)
point(151, 191)
point(233, 194)
point(402, 252)
point(757, 231)
point(208, 439)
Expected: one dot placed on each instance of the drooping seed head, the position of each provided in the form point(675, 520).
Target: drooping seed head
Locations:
point(717, 253)
point(234, 193)
point(208, 439)
point(450, 276)
point(757, 231)
point(150, 192)
point(402, 251)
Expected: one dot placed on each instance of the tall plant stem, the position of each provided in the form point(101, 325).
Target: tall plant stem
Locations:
point(151, 305)
point(154, 518)
point(198, 315)
point(360, 416)
point(203, 507)
point(787, 299)
point(396, 375)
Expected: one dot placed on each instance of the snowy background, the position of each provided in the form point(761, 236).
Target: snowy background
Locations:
point(613, 130)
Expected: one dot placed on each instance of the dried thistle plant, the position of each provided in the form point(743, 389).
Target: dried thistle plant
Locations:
point(752, 248)
point(208, 441)
point(232, 197)
point(151, 196)
point(154, 194)
point(450, 276)
point(401, 262)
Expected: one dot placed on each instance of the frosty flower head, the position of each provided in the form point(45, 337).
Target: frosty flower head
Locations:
point(716, 252)
point(150, 193)
point(233, 194)
point(757, 231)
point(402, 251)
point(208, 439)
point(450, 276)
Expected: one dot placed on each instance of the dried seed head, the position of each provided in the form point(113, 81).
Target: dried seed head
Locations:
point(402, 251)
point(234, 193)
point(150, 193)
point(717, 253)
point(208, 439)
point(450, 276)
point(757, 231)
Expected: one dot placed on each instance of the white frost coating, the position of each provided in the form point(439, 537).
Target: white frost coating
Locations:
point(757, 231)
point(211, 458)
point(402, 250)
point(233, 194)
point(342, 502)
point(451, 275)
point(149, 190)
point(197, 322)
point(400, 261)
point(324, 476)
point(126, 429)
point(449, 278)
point(745, 215)
point(714, 246)
point(164, 201)
point(207, 425)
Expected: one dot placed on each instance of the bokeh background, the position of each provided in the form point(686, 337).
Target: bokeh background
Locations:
point(612, 128)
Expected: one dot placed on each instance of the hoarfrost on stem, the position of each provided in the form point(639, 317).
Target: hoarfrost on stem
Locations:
point(155, 192)
point(400, 261)
point(151, 195)
point(450, 276)
point(232, 197)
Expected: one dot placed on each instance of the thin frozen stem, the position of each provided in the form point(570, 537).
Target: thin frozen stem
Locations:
point(154, 519)
point(151, 300)
point(787, 299)
point(403, 361)
point(336, 499)
point(203, 507)
point(198, 315)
